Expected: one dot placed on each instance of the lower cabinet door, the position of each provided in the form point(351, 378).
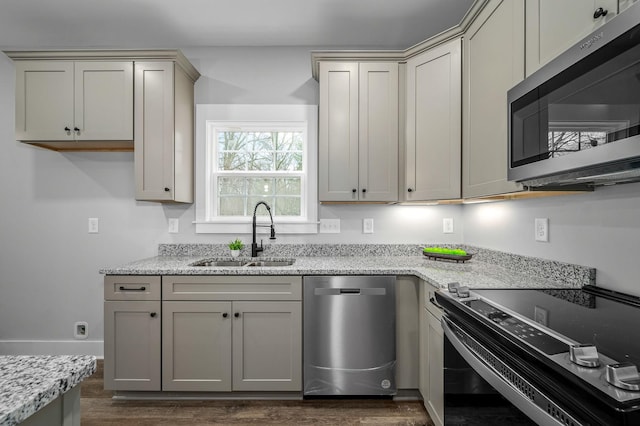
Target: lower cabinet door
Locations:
point(267, 346)
point(196, 346)
point(435, 385)
point(132, 345)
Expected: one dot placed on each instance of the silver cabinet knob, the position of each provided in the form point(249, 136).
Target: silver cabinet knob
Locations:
point(584, 355)
point(624, 376)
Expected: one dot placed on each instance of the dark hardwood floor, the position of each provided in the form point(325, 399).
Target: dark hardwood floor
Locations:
point(99, 409)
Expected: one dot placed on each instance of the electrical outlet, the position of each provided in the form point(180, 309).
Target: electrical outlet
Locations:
point(81, 330)
point(329, 226)
point(174, 225)
point(542, 229)
point(447, 225)
point(94, 225)
point(367, 226)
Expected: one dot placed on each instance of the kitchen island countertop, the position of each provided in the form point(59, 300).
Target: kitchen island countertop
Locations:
point(30, 382)
point(474, 273)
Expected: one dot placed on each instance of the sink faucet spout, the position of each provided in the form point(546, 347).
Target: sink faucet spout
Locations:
point(255, 249)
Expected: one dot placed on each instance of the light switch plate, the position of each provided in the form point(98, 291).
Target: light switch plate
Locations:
point(447, 225)
point(94, 225)
point(367, 225)
point(329, 226)
point(174, 225)
point(542, 229)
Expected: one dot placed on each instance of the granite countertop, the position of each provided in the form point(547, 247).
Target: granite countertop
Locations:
point(29, 382)
point(474, 273)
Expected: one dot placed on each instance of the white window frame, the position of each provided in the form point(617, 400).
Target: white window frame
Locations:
point(233, 116)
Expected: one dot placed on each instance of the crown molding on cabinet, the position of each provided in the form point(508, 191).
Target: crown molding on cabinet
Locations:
point(396, 55)
point(109, 55)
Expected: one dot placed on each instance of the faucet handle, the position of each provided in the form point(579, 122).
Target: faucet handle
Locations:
point(273, 233)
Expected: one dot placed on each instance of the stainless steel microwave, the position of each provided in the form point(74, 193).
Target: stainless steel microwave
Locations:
point(576, 121)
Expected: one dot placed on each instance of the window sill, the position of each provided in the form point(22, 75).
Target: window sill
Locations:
point(245, 228)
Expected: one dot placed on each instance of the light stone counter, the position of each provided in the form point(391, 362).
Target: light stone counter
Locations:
point(488, 269)
point(29, 384)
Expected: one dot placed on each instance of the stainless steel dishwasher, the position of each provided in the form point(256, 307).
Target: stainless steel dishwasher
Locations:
point(349, 335)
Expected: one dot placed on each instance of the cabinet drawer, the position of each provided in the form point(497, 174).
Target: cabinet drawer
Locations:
point(187, 287)
point(131, 287)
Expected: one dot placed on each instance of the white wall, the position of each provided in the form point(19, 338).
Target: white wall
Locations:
point(599, 229)
point(49, 263)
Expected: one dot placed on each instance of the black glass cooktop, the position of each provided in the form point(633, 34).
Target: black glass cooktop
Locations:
point(585, 316)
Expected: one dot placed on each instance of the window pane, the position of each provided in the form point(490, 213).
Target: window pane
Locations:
point(231, 186)
point(260, 186)
point(287, 206)
point(288, 186)
point(231, 206)
point(289, 161)
point(260, 151)
point(250, 152)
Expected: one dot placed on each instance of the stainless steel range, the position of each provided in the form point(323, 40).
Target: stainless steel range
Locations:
point(562, 357)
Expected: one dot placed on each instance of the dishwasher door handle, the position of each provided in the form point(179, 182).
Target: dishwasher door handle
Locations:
point(350, 291)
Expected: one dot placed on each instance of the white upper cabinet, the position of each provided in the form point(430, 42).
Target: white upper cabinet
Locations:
point(103, 100)
point(164, 132)
point(493, 62)
point(358, 131)
point(433, 124)
point(553, 26)
point(74, 101)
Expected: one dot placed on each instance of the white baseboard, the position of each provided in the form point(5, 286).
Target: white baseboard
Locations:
point(52, 347)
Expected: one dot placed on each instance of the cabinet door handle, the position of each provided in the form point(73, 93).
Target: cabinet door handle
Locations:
point(237, 315)
point(364, 190)
point(600, 12)
point(224, 315)
point(410, 190)
point(152, 314)
point(354, 190)
point(67, 129)
point(167, 190)
point(123, 288)
point(75, 129)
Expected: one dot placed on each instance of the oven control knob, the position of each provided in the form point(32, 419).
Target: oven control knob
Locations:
point(453, 287)
point(584, 355)
point(624, 376)
point(463, 291)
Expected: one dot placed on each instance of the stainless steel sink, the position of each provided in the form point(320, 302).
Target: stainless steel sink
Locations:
point(287, 262)
point(244, 263)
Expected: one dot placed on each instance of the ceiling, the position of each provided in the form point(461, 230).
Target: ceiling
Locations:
point(340, 24)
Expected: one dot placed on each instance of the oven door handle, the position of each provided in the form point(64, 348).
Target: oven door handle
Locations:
point(517, 398)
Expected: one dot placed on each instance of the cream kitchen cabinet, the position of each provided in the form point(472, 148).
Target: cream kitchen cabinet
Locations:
point(232, 333)
point(132, 329)
point(432, 355)
point(74, 105)
point(163, 143)
point(493, 62)
point(433, 124)
point(358, 131)
point(115, 100)
point(554, 26)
